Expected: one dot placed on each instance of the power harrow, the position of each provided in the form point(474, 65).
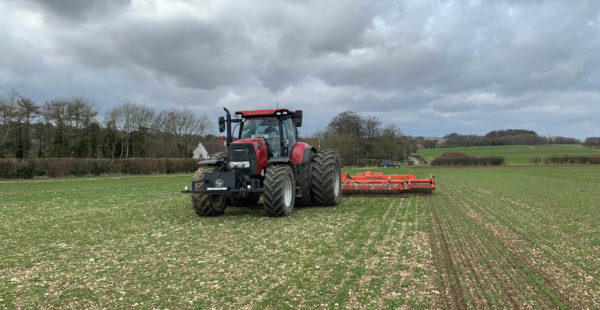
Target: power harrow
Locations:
point(377, 184)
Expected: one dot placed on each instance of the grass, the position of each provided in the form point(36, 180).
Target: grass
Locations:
point(514, 154)
point(491, 238)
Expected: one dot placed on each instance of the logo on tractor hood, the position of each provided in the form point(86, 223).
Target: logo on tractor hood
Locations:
point(219, 182)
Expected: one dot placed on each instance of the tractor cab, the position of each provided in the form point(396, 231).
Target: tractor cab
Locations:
point(277, 127)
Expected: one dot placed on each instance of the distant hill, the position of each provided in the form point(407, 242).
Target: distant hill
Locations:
point(514, 154)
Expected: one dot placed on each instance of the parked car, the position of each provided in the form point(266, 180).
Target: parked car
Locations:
point(389, 163)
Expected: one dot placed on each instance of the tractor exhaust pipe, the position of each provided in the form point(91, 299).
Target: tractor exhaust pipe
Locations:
point(228, 120)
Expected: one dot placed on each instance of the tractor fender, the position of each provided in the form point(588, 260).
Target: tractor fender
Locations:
point(301, 153)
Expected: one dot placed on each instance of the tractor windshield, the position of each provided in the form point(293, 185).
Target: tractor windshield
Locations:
point(263, 127)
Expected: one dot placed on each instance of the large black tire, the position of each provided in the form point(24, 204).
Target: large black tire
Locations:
point(304, 182)
point(242, 200)
point(206, 204)
point(279, 194)
point(326, 180)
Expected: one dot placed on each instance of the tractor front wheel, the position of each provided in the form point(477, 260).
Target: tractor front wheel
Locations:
point(279, 194)
point(206, 204)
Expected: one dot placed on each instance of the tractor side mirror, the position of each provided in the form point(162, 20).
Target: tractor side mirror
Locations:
point(298, 118)
point(221, 124)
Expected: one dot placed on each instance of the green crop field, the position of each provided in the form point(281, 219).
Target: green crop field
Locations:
point(514, 154)
point(488, 238)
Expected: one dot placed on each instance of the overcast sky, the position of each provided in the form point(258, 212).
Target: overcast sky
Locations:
point(430, 67)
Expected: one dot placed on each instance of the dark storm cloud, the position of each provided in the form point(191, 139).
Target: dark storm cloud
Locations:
point(80, 9)
point(193, 53)
point(450, 64)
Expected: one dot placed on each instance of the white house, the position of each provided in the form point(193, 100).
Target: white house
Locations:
point(200, 152)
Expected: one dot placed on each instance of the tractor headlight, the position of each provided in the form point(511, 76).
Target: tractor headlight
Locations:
point(239, 164)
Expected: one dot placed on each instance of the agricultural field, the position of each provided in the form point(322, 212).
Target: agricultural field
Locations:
point(487, 238)
point(514, 154)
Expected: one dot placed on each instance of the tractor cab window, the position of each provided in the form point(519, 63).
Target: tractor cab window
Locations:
point(289, 135)
point(264, 127)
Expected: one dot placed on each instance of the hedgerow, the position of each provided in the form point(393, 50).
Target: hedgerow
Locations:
point(61, 167)
point(462, 159)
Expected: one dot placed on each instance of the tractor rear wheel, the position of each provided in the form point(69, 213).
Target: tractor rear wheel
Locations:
point(242, 200)
point(279, 194)
point(206, 204)
point(326, 181)
point(304, 183)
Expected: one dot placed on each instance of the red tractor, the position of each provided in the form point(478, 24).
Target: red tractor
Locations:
point(266, 158)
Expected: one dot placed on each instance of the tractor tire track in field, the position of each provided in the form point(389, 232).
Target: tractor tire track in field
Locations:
point(456, 254)
point(353, 270)
point(360, 294)
point(471, 245)
point(513, 262)
point(543, 260)
point(334, 277)
point(444, 264)
point(536, 272)
point(549, 269)
point(422, 257)
point(469, 251)
point(410, 278)
point(518, 271)
point(459, 259)
point(504, 280)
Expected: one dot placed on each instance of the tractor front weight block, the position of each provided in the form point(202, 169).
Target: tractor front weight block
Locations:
point(224, 183)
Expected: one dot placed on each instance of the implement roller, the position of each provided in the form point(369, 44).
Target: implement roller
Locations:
point(377, 184)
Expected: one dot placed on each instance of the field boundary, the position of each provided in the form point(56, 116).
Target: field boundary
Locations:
point(489, 167)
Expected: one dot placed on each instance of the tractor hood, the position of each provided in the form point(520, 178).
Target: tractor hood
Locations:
point(253, 150)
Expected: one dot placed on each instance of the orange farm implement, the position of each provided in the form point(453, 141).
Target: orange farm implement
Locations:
point(377, 184)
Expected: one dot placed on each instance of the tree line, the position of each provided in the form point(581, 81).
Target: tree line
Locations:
point(70, 127)
point(592, 142)
point(358, 138)
point(504, 137)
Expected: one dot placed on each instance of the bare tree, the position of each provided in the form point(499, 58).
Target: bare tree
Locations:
point(391, 131)
point(65, 123)
point(127, 119)
point(55, 117)
point(120, 118)
point(110, 137)
point(80, 114)
point(26, 111)
point(142, 119)
point(7, 114)
point(371, 125)
point(185, 127)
